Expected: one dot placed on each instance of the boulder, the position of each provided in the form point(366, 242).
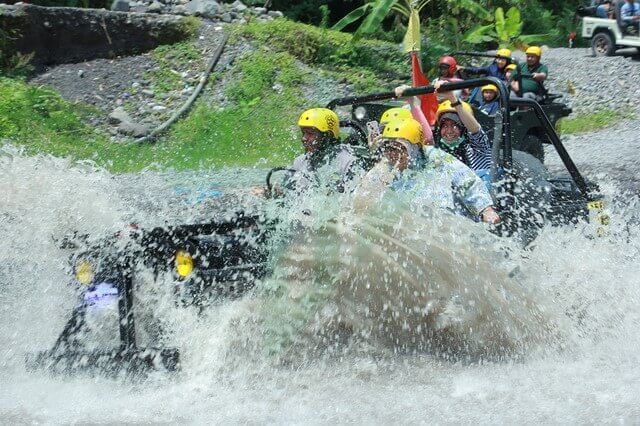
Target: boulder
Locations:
point(156, 7)
point(136, 130)
point(57, 35)
point(205, 8)
point(119, 115)
point(238, 6)
point(120, 5)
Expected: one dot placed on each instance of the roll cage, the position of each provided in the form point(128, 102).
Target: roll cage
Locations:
point(502, 138)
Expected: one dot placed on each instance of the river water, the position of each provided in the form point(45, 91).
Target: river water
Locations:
point(555, 338)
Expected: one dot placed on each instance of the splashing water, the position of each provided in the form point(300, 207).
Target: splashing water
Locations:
point(379, 317)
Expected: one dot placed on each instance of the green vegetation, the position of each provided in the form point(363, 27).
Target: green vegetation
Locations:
point(330, 49)
point(40, 121)
point(505, 30)
point(267, 95)
point(259, 130)
point(165, 77)
point(591, 122)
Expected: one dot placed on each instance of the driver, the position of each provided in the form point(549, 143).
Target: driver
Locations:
point(532, 87)
point(323, 151)
point(429, 174)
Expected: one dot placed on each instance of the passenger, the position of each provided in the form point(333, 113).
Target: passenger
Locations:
point(489, 104)
point(460, 134)
point(431, 175)
point(604, 9)
point(496, 69)
point(447, 68)
point(320, 138)
point(532, 88)
point(630, 12)
point(387, 116)
point(416, 113)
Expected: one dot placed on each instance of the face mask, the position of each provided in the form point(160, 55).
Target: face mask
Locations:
point(452, 145)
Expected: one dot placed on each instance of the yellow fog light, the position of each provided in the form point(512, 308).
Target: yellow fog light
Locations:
point(84, 272)
point(184, 263)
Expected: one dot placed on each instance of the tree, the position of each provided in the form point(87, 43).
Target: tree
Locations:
point(504, 30)
point(374, 13)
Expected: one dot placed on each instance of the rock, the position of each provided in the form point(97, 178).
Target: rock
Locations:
point(239, 6)
point(135, 85)
point(226, 17)
point(80, 73)
point(139, 9)
point(205, 8)
point(156, 7)
point(159, 108)
point(260, 10)
point(120, 6)
point(134, 129)
point(275, 14)
point(149, 93)
point(119, 115)
point(179, 9)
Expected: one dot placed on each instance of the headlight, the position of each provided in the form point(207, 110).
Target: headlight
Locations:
point(84, 272)
point(360, 113)
point(184, 263)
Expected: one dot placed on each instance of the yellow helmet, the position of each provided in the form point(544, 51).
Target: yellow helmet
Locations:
point(534, 50)
point(490, 87)
point(408, 129)
point(322, 119)
point(394, 113)
point(511, 67)
point(445, 106)
point(506, 53)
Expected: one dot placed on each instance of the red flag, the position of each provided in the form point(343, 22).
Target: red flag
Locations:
point(429, 103)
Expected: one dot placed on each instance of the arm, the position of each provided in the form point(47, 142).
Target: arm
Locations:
point(479, 141)
point(416, 111)
point(541, 75)
point(471, 190)
point(475, 70)
point(466, 117)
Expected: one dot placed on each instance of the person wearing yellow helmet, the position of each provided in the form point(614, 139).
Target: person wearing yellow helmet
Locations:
point(496, 69)
point(527, 79)
point(401, 143)
point(431, 176)
point(375, 129)
point(324, 155)
point(489, 103)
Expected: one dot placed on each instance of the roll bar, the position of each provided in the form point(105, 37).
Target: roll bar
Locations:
point(424, 90)
point(555, 140)
point(505, 105)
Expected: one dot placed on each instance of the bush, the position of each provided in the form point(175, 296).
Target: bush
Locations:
point(316, 46)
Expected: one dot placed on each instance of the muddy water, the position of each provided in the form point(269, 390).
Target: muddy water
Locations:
point(545, 335)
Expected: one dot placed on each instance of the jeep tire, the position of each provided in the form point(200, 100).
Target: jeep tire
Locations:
point(602, 45)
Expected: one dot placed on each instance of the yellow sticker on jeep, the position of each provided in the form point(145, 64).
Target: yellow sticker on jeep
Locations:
point(595, 205)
